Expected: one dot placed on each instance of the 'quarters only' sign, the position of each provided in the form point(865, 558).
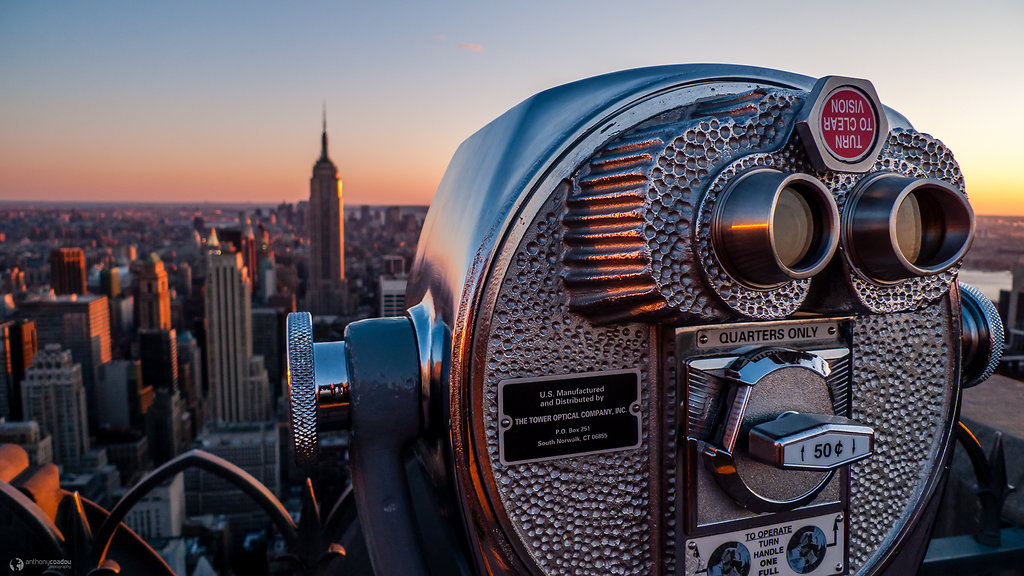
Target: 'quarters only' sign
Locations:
point(842, 124)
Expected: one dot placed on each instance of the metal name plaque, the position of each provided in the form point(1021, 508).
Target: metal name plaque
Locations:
point(553, 417)
point(732, 336)
point(814, 545)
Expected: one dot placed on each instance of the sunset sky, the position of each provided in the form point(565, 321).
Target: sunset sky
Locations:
point(221, 101)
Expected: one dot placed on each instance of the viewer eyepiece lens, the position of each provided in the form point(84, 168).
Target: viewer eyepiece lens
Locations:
point(772, 227)
point(796, 228)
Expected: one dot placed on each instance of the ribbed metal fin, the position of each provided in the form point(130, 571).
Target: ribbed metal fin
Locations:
point(839, 385)
point(607, 263)
point(703, 401)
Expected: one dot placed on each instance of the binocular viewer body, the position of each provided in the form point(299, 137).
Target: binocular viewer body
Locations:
point(695, 319)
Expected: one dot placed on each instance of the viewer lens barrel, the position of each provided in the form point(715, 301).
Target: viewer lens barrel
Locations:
point(899, 227)
point(771, 227)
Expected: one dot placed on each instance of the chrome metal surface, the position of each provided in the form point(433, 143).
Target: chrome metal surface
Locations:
point(386, 421)
point(433, 342)
point(730, 430)
point(722, 465)
point(508, 191)
point(914, 431)
point(331, 382)
point(302, 388)
point(982, 336)
point(485, 205)
point(871, 235)
point(772, 442)
point(764, 383)
point(914, 155)
point(318, 387)
point(750, 369)
point(747, 225)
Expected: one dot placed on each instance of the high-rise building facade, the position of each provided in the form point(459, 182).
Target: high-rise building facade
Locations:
point(234, 395)
point(254, 447)
point(80, 324)
point(392, 296)
point(110, 282)
point(169, 426)
point(243, 241)
point(326, 292)
point(12, 281)
point(18, 346)
point(190, 379)
point(268, 341)
point(122, 396)
point(158, 351)
point(37, 443)
point(52, 395)
point(161, 513)
point(153, 297)
point(67, 271)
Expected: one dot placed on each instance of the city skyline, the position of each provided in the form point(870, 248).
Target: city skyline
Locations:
point(196, 101)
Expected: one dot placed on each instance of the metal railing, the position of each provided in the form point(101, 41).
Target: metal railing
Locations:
point(314, 544)
point(994, 547)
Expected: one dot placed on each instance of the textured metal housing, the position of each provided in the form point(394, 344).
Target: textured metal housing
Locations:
point(567, 230)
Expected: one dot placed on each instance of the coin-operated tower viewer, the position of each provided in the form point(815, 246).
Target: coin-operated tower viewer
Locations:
point(671, 321)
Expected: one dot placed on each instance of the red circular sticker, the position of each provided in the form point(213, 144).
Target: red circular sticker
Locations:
point(848, 125)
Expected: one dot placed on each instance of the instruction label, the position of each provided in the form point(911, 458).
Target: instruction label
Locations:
point(809, 546)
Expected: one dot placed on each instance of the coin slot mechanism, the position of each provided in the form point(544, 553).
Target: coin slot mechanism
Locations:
point(811, 442)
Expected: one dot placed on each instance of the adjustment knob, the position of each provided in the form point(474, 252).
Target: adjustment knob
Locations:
point(302, 388)
point(318, 387)
point(982, 336)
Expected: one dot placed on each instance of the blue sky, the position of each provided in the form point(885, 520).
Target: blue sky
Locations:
point(197, 100)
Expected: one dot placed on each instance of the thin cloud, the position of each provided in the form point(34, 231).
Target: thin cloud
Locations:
point(440, 37)
point(470, 47)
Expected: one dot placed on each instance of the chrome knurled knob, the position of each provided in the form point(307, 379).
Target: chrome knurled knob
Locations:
point(302, 388)
point(982, 336)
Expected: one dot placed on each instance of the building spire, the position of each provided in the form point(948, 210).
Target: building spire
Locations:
point(323, 136)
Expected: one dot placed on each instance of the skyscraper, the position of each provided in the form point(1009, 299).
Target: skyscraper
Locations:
point(123, 398)
point(18, 346)
point(158, 350)
point(392, 285)
point(169, 425)
point(153, 298)
point(169, 420)
point(110, 282)
point(392, 296)
point(81, 324)
point(268, 341)
point(244, 242)
point(53, 395)
point(190, 379)
point(326, 290)
point(67, 271)
point(234, 395)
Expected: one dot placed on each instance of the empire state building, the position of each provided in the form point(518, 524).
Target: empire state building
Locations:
point(326, 292)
